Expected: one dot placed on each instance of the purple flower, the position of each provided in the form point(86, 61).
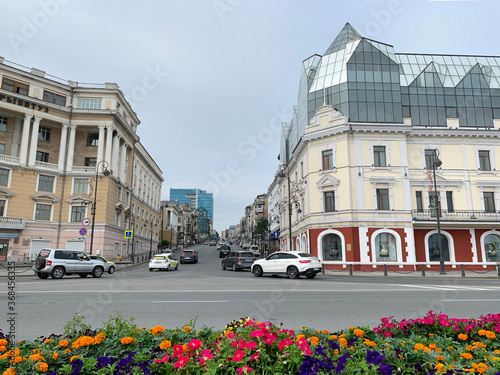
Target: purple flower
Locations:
point(340, 363)
point(385, 369)
point(334, 345)
point(374, 357)
point(103, 362)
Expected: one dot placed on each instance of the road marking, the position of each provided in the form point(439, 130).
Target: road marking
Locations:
point(447, 287)
point(471, 300)
point(190, 301)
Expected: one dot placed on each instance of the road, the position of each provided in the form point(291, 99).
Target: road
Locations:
point(215, 297)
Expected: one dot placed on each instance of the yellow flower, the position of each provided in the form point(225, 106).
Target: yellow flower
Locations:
point(186, 329)
point(466, 355)
point(440, 367)
point(73, 358)
point(358, 333)
point(54, 355)
point(165, 344)
point(298, 337)
point(126, 340)
point(42, 367)
point(462, 336)
point(63, 343)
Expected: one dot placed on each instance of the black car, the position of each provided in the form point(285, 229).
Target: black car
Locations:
point(238, 260)
point(189, 256)
point(224, 250)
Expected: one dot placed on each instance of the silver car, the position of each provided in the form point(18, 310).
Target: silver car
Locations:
point(59, 262)
point(109, 266)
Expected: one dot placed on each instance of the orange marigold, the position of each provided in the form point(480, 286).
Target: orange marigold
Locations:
point(126, 340)
point(369, 343)
point(42, 367)
point(439, 358)
point(343, 342)
point(73, 358)
point(490, 335)
point(63, 343)
point(359, 332)
point(10, 371)
point(469, 348)
point(479, 344)
point(481, 332)
point(98, 339)
point(3, 342)
point(3, 348)
point(333, 337)
point(432, 346)
point(165, 344)
point(67, 351)
point(462, 336)
point(186, 329)
point(156, 329)
point(419, 346)
point(314, 340)
point(83, 341)
point(466, 355)
point(325, 332)
point(480, 367)
point(46, 341)
point(54, 355)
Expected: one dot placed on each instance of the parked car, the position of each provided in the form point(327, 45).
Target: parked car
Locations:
point(255, 250)
point(213, 243)
point(189, 256)
point(59, 262)
point(238, 260)
point(224, 250)
point(164, 261)
point(167, 251)
point(291, 263)
point(109, 266)
point(245, 245)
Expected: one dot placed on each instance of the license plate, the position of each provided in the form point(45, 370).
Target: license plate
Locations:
point(316, 269)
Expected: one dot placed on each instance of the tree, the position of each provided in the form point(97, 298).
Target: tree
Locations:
point(262, 226)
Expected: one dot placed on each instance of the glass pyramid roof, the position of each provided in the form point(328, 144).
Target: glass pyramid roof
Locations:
point(346, 35)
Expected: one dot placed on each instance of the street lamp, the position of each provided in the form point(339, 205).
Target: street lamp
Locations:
point(299, 211)
point(436, 163)
point(106, 173)
point(151, 240)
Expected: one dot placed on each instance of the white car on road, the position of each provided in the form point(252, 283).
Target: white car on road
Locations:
point(164, 261)
point(290, 263)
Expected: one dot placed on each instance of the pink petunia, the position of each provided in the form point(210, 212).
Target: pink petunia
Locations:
point(284, 343)
point(254, 357)
point(387, 334)
point(206, 354)
point(164, 359)
point(181, 362)
point(238, 355)
point(258, 333)
point(194, 344)
point(244, 370)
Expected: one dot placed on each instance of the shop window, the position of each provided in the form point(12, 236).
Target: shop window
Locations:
point(435, 245)
point(492, 248)
point(332, 247)
point(385, 247)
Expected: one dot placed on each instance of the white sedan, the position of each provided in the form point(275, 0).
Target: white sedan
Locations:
point(290, 263)
point(163, 262)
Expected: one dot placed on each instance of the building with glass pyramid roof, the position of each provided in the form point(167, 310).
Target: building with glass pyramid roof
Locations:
point(360, 150)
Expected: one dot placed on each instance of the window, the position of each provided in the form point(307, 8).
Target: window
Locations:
point(435, 203)
point(81, 186)
point(420, 203)
point(301, 169)
point(379, 156)
point(329, 201)
point(89, 103)
point(44, 133)
point(93, 139)
point(489, 202)
point(45, 183)
point(429, 159)
point(327, 160)
point(449, 201)
point(3, 123)
point(42, 156)
point(484, 160)
point(54, 98)
point(119, 193)
point(42, 211)
point(332, 247)
point(4, 177)
point(2, 149)
point(90, 162)
point(14, 86)
point(435, 245)
point(382, 199)
point(492, 247)
point(77, 214)
point(2, 207)
point(385, 247)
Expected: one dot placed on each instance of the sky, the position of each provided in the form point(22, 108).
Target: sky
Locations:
point(212, 80)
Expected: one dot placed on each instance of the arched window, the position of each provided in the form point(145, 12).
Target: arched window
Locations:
point(492, 248)
point(385, 247)
point(332, 247)
point(435, 245)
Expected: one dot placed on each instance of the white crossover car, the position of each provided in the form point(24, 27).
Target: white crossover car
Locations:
point(290, 263)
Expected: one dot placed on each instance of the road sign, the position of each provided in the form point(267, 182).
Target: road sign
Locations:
point(83, 231)
point(129, 234)
point(86, 222)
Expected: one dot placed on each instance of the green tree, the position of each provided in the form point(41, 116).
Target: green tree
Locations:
point(262, 226)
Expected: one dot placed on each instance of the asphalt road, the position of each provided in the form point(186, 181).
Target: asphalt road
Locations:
point(214, 297)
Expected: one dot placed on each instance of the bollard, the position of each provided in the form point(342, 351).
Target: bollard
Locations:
point(385, 269)
point(322, 269)
point(498, 269)
point(423, 270)
point(463, 270)
point(350, 270)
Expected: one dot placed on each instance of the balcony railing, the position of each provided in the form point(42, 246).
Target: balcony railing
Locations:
point(12, 223)
point(43, 165)
point(430, 215)
point(9, 159)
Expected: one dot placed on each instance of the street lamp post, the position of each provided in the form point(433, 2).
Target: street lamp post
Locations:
point(151, 239)
point(106, 173)
point(282, 175)
point(436, 163)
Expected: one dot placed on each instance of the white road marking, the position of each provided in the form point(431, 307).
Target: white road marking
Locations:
point(190, 301)
point(471, 300)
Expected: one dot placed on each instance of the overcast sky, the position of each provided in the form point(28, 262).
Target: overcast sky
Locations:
point(221, 75)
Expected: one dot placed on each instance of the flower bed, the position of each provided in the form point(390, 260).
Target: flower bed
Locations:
point(435, 344)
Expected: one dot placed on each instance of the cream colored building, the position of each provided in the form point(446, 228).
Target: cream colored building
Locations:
point(53, 136)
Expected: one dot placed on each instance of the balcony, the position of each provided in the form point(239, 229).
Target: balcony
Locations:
point(12, 223)
point(47, 166)
point(9, 159)
point(473, 216)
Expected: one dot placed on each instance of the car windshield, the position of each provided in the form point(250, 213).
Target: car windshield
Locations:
point(188, 252)
point(246, 254)
point(159, 257)
point(44, 253)
point(305, 255)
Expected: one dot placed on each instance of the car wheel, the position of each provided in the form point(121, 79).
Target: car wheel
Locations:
point(182, 261)
point(234, 267)
point(97, 272)
point(176, 266)
point(83, 274)
point(311, 275)
point(223, 266)
point(168, 268)
point(111, 270)
point(42, 275)
point(57, 273)
point(292, 273)
point(257, 271)
point(151, 270)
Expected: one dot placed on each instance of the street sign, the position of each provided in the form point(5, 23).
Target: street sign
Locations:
point(86, 222)
point(83, 231)
point(276, 234)
point(129, 234)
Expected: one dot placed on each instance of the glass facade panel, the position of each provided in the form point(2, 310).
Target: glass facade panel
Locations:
point(332, 247)
point(435, 245)
point(385, 247)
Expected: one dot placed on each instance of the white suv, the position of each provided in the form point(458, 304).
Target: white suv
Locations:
point(59, 262)
point(291, 263)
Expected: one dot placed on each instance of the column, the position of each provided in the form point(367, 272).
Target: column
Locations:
point(15, 137)
point(34, 141)
point(100, 144)
point(23, 152)
point(114, 156)
point(62, 147)
point(109, 143)
point(123, 161)
point(71, 147)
